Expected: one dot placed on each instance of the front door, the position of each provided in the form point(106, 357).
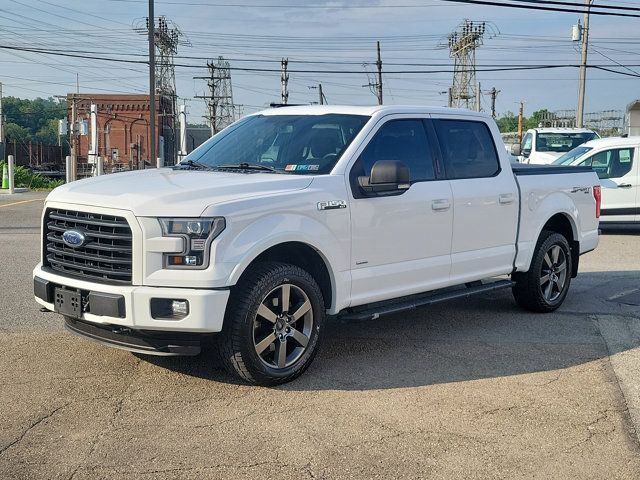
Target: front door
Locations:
point(618, 172)
point(400, 243)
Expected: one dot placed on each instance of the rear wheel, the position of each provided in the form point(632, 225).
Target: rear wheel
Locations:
point(544, 287)
point(272, 326)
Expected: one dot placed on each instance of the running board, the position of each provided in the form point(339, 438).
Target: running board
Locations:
point(375, 310)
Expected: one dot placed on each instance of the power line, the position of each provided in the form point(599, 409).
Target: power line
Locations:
point(539, 7)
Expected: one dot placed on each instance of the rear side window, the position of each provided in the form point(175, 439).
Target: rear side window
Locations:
point(467, 148)
point(611, 163)
point(402, 140)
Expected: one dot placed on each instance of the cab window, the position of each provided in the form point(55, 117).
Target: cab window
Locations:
point(402, 140)
point(527, 144)
point(467, 149)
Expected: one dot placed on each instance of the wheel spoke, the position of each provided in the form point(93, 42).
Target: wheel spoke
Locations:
point(548, 260)
point(304, 308)
point(286, 295)
point(267, 314)
point(544, 279)
point(299, 337)
point(281, 353)
point(548, 290)
point(561, 267)
point(555, 254)
point(264, 344)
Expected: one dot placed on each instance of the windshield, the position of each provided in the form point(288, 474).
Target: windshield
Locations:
point(569, 157)
point(293, 144)
point(562, 142)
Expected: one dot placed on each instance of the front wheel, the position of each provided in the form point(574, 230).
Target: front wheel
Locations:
point(272, 326)
point(544, 287)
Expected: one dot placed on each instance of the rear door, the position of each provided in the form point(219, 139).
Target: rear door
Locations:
point(618, 172)
point(485, 208)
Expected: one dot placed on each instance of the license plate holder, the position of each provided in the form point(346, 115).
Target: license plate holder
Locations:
point(67, 302)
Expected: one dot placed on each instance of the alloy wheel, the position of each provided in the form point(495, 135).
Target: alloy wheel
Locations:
point(553, 274)
point(282, 326)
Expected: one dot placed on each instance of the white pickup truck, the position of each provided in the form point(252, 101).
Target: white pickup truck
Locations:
point(544, 145)
point(297, 213)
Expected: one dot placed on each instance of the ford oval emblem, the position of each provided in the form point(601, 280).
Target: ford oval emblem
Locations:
point(73, 238)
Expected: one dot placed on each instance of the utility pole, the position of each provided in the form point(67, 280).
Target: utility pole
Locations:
point(478, 98)
point(520, 122)
point(583, 65)
point(321, 95)
point(222, 110)
point(284, 82)
point(2, 146)
point(494, 93)
point(152, 84)
point(463, 44)
point(379, 66)
point(74, 138)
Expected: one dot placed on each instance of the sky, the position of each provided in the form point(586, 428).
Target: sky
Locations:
point(258, 33)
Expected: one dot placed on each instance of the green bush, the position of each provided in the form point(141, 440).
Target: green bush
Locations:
point(24, 178)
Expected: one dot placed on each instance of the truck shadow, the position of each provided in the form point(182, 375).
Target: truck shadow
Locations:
point(485, 336)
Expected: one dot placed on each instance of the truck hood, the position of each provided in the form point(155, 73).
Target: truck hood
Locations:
point(167, 192)
point(545, 157)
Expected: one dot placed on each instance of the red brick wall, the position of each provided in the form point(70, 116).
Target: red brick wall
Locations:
point(123, 127)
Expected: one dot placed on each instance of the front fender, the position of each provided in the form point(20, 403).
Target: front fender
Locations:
point(267, 232)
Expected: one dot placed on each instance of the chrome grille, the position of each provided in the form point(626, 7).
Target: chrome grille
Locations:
point(104, 257)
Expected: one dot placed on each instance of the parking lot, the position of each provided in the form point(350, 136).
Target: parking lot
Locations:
point(473, 388)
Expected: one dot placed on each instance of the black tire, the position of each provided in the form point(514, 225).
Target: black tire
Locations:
point(536, 289)
point(244, 331)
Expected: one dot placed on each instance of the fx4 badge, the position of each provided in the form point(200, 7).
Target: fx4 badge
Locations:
point(332, 205)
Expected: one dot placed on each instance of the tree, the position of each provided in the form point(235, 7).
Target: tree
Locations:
point(508, 122)
point(534, 120)
point(33, 120)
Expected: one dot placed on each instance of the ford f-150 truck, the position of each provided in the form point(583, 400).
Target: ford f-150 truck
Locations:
point(298, 213)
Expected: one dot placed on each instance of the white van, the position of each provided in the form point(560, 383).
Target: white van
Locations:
point(615, 160)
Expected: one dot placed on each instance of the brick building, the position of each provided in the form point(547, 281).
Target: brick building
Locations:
point(123, 129)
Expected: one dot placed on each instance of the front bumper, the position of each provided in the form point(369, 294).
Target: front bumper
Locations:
point(131, 305)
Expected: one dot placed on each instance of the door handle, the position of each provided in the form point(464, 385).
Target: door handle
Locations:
point(506, 198)
point(625, 185)
point(440, 204)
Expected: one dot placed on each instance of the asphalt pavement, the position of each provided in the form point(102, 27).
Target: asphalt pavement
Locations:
point(473, 388)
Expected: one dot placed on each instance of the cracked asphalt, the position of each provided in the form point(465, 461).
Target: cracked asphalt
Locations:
point(469, 389)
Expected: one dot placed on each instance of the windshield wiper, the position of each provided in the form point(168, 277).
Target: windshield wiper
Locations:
point(248, 166)
point(190, 164)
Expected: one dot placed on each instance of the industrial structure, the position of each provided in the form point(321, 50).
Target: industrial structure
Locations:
point(220, 107)
point(462, 44)
point(167, 37)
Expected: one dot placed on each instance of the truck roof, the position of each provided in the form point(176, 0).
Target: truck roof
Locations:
point(562, 130)
point(366, 110)
point(613, 142)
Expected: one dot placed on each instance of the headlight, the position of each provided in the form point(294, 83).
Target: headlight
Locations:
point(198, 233)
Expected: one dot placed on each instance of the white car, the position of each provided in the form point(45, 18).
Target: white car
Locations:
point(296, 213)
point(544, 145)
point(615, 160)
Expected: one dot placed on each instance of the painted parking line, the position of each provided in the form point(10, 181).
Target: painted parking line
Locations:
point(22, 201)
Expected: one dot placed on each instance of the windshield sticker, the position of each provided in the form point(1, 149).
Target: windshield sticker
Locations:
point(290, 168)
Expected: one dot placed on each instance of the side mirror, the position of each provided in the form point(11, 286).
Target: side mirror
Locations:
point(386, 176)
point(515, 150)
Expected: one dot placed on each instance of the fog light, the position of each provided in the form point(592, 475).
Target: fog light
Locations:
point(169, 308)
point(180, 308)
